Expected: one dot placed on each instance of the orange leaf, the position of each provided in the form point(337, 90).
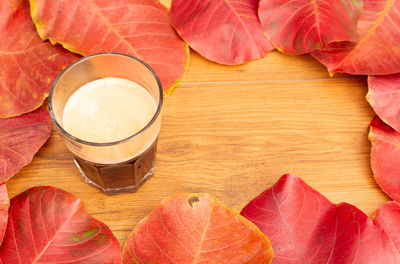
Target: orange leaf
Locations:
point(49, 225)
point(302, 26)
point(224, 31)
point(384, 97)
point(196, 228)
point(28, 66)
point(378, 50)
point(4, 205)
point(385, 157)
point(20, 138)
point(136, 27)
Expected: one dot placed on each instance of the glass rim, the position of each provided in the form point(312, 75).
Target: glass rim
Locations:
point(102, 144)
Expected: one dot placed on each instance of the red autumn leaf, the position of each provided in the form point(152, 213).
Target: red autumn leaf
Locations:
point(384, 96)
point(136, 27)
point(20, 138)
point(385, 157)
point(224, 31)
point(302, 26)
point(387, 217)
point(378, 50)
point(48, 225)
point(305, 227)
point(28, 65)
point(4, 205)
point(196, 228)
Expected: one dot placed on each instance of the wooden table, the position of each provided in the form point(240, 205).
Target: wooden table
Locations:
point(232, 131)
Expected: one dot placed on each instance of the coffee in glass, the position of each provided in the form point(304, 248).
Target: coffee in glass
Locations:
point(107, 107)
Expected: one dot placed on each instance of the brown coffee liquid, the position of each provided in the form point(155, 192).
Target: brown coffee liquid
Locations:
point(121, 177)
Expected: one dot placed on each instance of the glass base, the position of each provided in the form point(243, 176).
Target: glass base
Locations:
point(121, 177)
point(113, 191)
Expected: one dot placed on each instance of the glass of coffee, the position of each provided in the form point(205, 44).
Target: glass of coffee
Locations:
point(107, 108)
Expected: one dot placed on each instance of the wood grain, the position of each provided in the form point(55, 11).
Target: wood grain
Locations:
point(232, 132)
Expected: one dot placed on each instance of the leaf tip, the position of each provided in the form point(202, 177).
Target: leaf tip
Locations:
point(280, 50)
point(170, 89)
point(370, 134)
point(179, 80)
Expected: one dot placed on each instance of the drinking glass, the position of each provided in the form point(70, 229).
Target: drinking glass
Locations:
point(113, 167)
